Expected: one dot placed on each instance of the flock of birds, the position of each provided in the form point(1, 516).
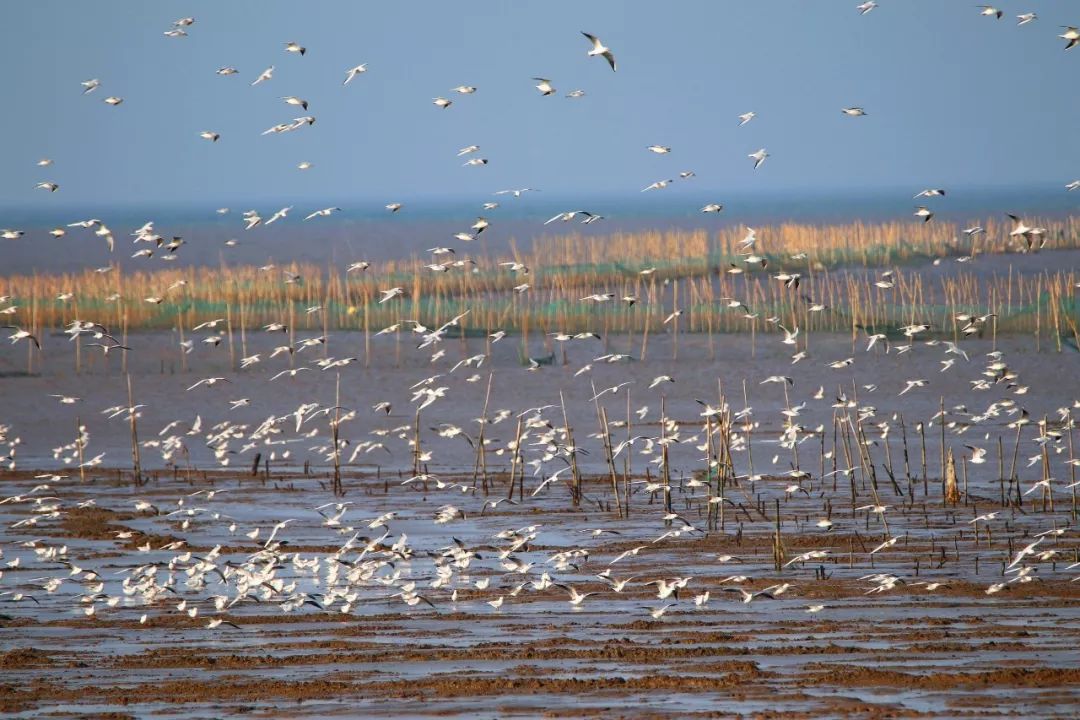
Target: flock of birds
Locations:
point(221, 561)
point(252, 218)
point(251, 562)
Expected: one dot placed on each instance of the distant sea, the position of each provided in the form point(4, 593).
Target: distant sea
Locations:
point(364, 229)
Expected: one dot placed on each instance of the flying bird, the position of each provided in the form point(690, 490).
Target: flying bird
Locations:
point(1071, 34)
point(265, 75)
point(391, 294)
point(658, 185)
point(353, 72)
point(325, 212)
point(544, 86)
point(598, 48)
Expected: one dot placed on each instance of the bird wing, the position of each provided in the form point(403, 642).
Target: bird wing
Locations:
point(593, 39)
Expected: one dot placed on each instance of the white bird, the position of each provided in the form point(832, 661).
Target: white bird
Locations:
point(442, 102)
point(1071, 34)
point(924, 213)
point(1026, 18)
point(544, 86)
point(990, 11)
point(659, 149)
point(20, 334)
point(751, 238)
point(325, 212)
point(353, 72)
point(986, 517)
point(659, 612)
point(208, 135)
point(658, 185)
point(853, 111)
point(866, 7)
point(391, 294)
point(598, 48)
point(978, 455)
point(758, 157)
point(576, 598)
point(208, 382)
point(570, 215)
point(295, 48)
point(614, 389)
point(265, 75)
point(746, 117)
point(632, 552)
point(911, 384)
point(90, 86)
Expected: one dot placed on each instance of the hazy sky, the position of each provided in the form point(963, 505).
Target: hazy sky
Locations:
point(953, 99)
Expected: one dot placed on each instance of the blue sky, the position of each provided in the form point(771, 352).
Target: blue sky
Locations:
point(954, 99)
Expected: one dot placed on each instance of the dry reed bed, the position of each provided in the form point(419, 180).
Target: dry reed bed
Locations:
point(693, 275)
